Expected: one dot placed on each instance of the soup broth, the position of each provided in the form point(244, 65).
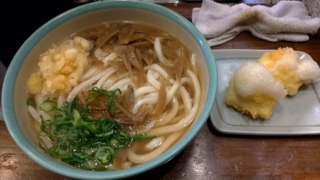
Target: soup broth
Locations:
point(113, 95)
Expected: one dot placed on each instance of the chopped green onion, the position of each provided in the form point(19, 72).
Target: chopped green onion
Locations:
point(142, 137)
point(107, 157)
point(48, 105)
point(94, 92)
point(76, 116)
point(81, 141)
point(31, 102)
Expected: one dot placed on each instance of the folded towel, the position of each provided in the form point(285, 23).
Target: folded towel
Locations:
point(287, 20)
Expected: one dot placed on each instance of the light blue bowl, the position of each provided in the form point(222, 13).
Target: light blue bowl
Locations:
point(24, 62)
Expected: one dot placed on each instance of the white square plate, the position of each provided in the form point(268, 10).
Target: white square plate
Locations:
point(297, 115)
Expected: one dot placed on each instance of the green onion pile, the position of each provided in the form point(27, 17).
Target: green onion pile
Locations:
point(81, 141)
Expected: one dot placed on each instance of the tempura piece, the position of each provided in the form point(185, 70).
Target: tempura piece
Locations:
point(61, 67)
point(253, 90)
point(289, 70)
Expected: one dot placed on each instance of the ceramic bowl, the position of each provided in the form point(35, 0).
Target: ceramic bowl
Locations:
point(25, 61)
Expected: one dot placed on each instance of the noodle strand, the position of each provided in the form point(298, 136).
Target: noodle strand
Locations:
point(187, 119)
point(139, 159)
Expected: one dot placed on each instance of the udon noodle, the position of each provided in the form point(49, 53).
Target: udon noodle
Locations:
point(152, 75)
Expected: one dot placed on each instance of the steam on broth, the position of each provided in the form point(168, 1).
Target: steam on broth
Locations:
point(113, 95)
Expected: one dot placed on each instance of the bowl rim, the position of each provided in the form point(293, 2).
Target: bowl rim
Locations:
point(62, 169)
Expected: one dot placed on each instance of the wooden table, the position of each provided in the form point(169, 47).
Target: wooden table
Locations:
point(211, 155)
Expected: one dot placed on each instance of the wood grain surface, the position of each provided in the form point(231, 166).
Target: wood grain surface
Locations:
point(211, 155)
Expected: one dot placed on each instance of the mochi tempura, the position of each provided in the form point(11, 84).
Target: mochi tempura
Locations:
point(256, 86)
point(253, 90)
point(288, 69)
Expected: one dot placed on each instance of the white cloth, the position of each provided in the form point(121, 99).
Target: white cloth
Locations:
point(287, 20)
